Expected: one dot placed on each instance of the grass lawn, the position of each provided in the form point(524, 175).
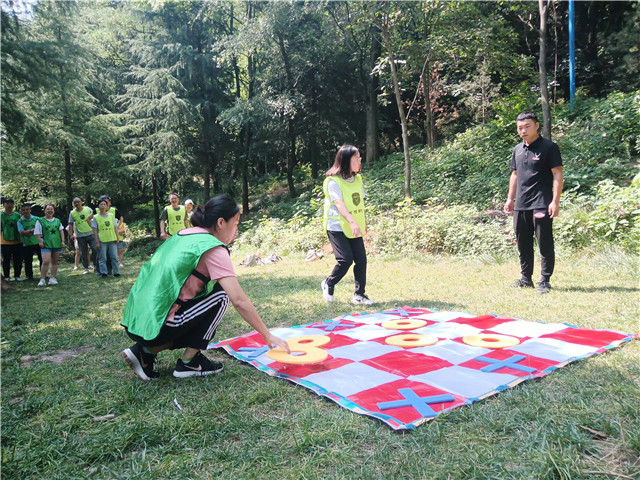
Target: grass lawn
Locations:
point(72, 409)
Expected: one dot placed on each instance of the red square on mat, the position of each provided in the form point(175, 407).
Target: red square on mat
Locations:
point(406, 363)
point(583, 336)
point(539, 364)
point(484, 322)
point(252, 340)
point(302, 371)
point(369, 399)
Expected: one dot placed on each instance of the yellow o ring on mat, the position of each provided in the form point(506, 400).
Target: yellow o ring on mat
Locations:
point(490, 341)
point(403, 324)
point(306, 345)
point(411, 340)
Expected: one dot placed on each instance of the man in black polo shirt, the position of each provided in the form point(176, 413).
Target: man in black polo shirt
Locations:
point(536, 178)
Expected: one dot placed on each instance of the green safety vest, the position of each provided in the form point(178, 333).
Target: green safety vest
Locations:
point(51, 233)
point(352, 198)
point(175, 219)
point(29, 225)
point(106, 232)
point(160, 280)
point(10, 226)
point(80, 219)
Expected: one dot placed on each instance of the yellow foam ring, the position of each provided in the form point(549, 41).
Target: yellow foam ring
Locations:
point(403, 324)
point(308, 341)
point(307, 345)
point(490, 341)
point(315, 355)
point(411, 340)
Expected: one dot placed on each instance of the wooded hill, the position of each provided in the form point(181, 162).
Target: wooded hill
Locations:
point(137, 99)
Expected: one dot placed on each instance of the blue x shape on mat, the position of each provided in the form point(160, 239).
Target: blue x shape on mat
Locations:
point(330, 327)
point(421, 404)
point(511, 362)
point(253, 351)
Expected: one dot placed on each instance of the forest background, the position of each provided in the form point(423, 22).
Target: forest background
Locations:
point(137, 99)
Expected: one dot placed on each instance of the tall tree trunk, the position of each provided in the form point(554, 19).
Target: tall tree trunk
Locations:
point(542, 68)
point(373, 149)
point(403, 118)
point(291, 158)
point(313, 135)
point(207, 180)
point(428, 121)
point(156, 207)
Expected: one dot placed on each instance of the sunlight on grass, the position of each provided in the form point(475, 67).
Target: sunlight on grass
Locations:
point(242, 423)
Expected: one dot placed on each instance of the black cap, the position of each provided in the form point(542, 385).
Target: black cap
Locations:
point(104, 197)
point(7, 200)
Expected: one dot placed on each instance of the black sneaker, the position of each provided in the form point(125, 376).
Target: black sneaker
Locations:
point(104, 275)
point(544, 287)
point(522, 283)
point(140, 362)
point(199, 366)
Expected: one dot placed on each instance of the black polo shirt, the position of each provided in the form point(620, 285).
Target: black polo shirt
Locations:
point(535, 179)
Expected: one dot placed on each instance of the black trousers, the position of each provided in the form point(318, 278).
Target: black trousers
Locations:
point(9, 252)
point(28, 251)
point(84, 243)
point(193, 325)
point(348, 251)
point(530, 223)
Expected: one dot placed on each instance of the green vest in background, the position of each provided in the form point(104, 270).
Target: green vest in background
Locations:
point(30, 224)
point(160, 280)
point(10, 226)
point(175, 219)
point(106, 232)
point(80, 219)
point(352, 198)
point(51, 233)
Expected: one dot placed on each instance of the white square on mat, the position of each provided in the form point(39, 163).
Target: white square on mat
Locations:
point(463, 381)
point(453, 352)
point(352, 378)
point(362, 351)
point(520, 328)
point(553, 349)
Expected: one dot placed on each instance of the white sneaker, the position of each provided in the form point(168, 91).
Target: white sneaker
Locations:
point(325, 291)
point(7, 279)
point(121, 265)
point(53, 281)
point(361, 300)
point(41, 283)
point(75, 268)
point(18, 279)
point(91, 267)
point(86, 270)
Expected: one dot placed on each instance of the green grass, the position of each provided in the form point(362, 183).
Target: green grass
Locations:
point(572, 424)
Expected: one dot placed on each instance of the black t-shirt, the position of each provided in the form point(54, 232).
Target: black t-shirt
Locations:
point(535, 179)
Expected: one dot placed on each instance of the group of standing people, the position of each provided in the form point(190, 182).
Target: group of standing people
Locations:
point(25, 235)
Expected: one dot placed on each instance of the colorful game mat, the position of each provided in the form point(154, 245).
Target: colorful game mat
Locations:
point(406, 366)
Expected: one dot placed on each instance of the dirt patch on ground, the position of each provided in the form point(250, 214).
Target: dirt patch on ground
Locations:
point(55, 357)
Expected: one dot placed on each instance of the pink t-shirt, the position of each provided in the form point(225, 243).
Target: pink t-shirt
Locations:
point(215, 264)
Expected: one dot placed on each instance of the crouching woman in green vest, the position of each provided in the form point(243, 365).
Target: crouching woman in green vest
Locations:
point(345, 223)
point(182, 293)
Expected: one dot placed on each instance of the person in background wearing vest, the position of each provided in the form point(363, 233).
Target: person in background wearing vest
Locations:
point(10, 241)
point(173, 218)
point(537, 180)
point(183, 292)
point(119, 219)
point(26, 227)
point(80, 230)
point(50, 234)
point(345, 223)
point(106, 236)
point(188, 205)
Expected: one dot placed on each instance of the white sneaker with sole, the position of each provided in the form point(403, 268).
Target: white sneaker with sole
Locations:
point(53, 281)
point(361, 300)
point(42, 282)
point(325, 291)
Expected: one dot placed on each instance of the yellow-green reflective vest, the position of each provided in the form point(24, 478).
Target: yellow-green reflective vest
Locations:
point(160, 280)
point(175, 219)
point(106, 232)
point(352, 198)
point(80, 219)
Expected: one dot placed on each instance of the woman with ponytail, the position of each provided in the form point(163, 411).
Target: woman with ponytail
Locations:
point(182, 293)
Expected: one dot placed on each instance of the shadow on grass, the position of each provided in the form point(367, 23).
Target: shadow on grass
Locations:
point(597, 289)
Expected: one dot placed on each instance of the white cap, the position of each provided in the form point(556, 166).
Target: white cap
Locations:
point(188, 200)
